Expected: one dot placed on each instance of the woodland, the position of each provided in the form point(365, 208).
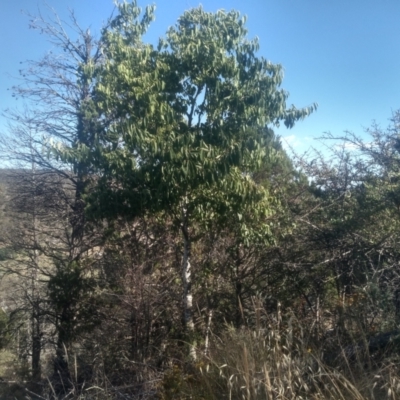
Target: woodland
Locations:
point(157, 241)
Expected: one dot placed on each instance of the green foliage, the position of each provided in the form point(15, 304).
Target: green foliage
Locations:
point(67, 286)
point(70, 292)
point(185, 119)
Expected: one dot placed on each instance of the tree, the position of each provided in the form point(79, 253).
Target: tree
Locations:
point(57, 91)
point(375, 168)
point(185, 125)
point(344, 249)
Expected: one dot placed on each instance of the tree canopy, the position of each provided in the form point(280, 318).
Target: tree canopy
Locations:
point(186, 115)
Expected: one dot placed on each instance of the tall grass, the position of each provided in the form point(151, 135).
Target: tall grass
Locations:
point(275, 359)
point(285, 362)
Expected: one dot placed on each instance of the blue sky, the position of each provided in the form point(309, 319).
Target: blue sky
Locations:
point(342, 54)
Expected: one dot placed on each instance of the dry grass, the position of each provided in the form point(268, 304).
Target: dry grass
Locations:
point(283, 364)
point(283, 360)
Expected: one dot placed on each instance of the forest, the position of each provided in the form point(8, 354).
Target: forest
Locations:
point(158, 242)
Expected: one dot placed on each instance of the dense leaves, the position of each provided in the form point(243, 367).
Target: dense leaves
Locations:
point(186, 116)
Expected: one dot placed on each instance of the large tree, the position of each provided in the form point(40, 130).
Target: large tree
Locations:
point(184, 124)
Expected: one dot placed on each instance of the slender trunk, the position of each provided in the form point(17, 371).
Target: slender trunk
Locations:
point(318, 317)
point(36, 333)
point(239, 307)
point(208, 331)
point(187, 285)
point(61, 377)
point(84, 135)
point(238, 289)
point(77, 219)
point(36, 348)
point(35, 317)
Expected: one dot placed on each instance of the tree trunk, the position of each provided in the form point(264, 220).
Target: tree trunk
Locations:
point(208, 332)
point(238, 290)
point(187, 286)
point(36, 347)
point(61, 380)
point(35, 316)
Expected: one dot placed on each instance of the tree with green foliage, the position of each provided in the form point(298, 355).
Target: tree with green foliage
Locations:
point(185, 125)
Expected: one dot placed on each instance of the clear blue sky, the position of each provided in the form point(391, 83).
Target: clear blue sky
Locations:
point(342, 54)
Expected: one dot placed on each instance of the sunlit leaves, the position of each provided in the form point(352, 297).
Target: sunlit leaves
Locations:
point(186, 120)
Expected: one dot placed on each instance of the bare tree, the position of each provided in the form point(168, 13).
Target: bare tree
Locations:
point(57, 91)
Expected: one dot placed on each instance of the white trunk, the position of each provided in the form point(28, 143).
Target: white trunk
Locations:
point(187, 288)
point(187, 285)
point(208, 331)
